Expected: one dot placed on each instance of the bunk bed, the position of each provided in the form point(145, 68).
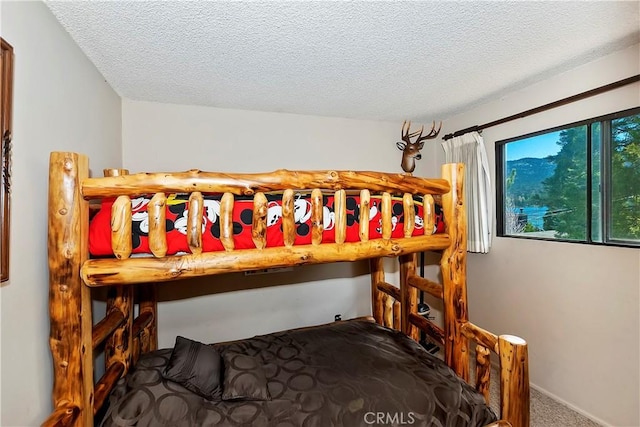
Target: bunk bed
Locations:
point(405, 223)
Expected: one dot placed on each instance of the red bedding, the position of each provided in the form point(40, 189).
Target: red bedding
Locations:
point(178, 205)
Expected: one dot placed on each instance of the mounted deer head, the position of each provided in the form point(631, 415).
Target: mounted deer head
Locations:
point(411, 150)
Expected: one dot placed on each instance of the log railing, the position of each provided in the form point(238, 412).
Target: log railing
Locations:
point(65, 414)
point(457, 331)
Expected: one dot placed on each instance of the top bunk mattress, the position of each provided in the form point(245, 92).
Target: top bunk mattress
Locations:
point(350, 373)
point(177, 208)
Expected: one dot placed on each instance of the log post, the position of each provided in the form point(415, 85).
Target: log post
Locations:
point(148, 302)
point(70, 335)
point(119, 345)
point(514, 380)
point(454, 272)
point(483, 370)
point(409, 295)
point(377, 275)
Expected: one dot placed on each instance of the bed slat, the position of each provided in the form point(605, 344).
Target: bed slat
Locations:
point(365, 212)
point(226, 221)
point(259, 221)
point(409, 214)
point(317, 217)
point(194, 222)
point(121, 227)
point(428, 213)
point(157, 224)
point(340, 210)
point(288, 218)
point(385, 207)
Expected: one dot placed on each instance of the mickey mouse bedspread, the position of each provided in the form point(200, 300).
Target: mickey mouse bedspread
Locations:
point(177, 208)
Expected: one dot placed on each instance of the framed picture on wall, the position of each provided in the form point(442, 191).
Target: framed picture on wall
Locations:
point(6, 100)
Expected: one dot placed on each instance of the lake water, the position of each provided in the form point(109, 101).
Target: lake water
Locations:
point(535, 215)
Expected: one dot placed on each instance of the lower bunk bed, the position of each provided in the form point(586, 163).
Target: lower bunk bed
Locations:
point(349, 373)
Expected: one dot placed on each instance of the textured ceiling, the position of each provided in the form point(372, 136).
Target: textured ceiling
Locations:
point(422, 60)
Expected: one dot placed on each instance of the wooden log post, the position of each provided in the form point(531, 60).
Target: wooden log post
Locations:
point(514, 380)
point(388, 310)
point(148, 303)
point(377, 276)
point(454, 272)
point(409, 295)
point(483, 370)
point(118, 347)
point(70, 335)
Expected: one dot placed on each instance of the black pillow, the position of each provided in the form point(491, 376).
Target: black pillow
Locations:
point(244, 378)
point(195, 366)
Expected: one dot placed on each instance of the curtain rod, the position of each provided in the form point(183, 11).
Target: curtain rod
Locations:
point(549, 106)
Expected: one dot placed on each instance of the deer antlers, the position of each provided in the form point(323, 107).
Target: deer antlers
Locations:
point(411, 150)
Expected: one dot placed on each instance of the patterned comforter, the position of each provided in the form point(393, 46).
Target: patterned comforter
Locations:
point(351, 373)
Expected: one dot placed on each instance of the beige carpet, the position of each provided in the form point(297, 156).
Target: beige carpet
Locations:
point(545, 411)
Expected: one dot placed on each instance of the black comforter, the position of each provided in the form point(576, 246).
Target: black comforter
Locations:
point(352, 373)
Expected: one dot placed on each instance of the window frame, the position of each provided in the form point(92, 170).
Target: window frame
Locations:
point(605, 180)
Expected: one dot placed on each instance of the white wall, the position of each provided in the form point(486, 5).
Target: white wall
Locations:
point(577, 305)
point(173, 138)
point(61, 102)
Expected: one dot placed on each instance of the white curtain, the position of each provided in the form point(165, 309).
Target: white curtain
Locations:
point(469, 149)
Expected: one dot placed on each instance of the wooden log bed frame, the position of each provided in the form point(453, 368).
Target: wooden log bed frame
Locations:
point(75, 334)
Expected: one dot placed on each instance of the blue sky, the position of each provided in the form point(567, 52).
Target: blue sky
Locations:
point(537, 146)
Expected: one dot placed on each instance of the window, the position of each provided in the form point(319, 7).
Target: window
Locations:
point(576, 183)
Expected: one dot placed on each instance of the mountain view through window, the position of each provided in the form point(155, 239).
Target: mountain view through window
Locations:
point(576, 183)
